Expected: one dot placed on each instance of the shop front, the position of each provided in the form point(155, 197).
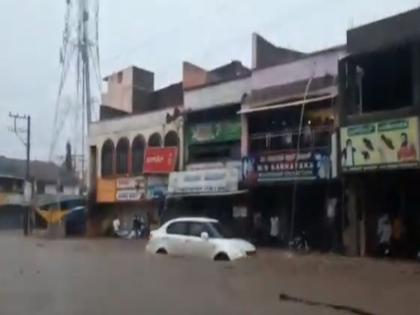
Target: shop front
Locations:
point(211, 193)
point(143, 195)
point(293, 191)
point(380, 164)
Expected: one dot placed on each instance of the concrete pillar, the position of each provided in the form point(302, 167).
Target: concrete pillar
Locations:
point(244, 136)
point(351, 231)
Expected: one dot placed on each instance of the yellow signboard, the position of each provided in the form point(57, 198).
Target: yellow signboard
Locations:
point(385, 144)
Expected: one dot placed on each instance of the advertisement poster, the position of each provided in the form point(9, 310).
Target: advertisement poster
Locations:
point(386, 144)
point(160, 160)
point(220, 131)
point(284, 166)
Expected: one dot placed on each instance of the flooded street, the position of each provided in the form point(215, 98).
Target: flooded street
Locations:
point(105, 276)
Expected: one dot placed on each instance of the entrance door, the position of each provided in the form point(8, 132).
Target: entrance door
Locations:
point(177, 236)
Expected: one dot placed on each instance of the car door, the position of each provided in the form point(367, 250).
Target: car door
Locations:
point(196, 245)
point(176, 238)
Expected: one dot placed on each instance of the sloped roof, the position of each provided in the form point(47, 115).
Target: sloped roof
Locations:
point(40, 170)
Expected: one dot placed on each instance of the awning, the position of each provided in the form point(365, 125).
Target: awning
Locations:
point(206, 194)
point(287, 104)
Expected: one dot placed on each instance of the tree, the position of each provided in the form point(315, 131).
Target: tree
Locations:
point(68, 162)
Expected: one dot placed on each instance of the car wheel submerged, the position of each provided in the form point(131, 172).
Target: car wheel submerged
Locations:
point(221, 257)
point(161, 251)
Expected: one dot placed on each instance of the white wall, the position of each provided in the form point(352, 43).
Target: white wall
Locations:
point(219, 94)
point(317, 65)
point(130, 127)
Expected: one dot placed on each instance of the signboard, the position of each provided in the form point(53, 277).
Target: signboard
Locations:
point(130, 188)
point(220, 131)
point(206, 181)
point(307, 165)
point(386, 144)
point(130, 195)
point(130, 182)
point(157, 187)
point(105, 190)
point(160, 160)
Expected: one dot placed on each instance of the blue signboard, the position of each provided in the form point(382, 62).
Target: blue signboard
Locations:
point(288, 165)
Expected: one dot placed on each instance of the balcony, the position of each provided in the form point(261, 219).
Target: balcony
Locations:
point(311, 138)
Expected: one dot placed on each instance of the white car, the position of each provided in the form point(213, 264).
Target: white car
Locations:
point(200, 237)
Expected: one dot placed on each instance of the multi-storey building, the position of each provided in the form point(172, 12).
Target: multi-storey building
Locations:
point(379, 112)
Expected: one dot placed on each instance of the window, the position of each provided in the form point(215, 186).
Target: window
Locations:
point(155, 140)
point(178, 228)
point(137, 155)
point(40, 188)
point(122, 156)
point(107, 158)
point(171, 139)
point(196, 228)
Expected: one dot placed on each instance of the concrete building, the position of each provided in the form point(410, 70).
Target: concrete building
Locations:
point(50, 182)
point(289, 139)
point(379, 112)
point(133, 147)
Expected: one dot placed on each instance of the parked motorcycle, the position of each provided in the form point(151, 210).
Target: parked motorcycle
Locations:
point(299, 242)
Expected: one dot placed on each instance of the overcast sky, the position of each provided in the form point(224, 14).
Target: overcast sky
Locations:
point(157, 35)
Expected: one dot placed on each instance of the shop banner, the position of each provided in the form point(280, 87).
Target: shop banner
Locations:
point(160, 160)
point(386, 144)
point(130, 195)
point(307, 165)
point(130, 188)
point(220, 131)
point(206, 181)
point(130, 182)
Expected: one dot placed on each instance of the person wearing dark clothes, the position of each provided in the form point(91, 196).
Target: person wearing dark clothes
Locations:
point(136, 226)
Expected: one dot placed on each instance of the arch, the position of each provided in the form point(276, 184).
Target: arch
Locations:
point(155, 140)
point(171, 139)
point(137, 154)
point(122, 156)
point(107, 158)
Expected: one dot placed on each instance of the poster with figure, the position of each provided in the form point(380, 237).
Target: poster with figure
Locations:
point(385, 144)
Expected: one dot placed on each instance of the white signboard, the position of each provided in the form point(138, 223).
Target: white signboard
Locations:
point(130, 182)
point(205, 181)
point(129, 195)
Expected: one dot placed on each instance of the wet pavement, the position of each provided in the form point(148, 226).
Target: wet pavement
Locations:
point(107, 276)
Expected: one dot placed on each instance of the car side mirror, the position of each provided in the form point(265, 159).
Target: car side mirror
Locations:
point(204, 236)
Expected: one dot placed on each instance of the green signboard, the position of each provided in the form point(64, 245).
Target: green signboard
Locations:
point(219, 131)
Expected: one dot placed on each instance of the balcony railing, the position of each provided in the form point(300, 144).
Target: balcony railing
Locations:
point(310, 138)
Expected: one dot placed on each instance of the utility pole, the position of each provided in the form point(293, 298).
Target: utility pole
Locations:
point(27, 143)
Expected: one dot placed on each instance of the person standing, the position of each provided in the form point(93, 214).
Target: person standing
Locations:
point(274, 230)
point(116, 226)
point(136, 226)
point(384, 231)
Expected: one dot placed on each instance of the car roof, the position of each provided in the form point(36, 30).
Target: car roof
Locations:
point(194, 219)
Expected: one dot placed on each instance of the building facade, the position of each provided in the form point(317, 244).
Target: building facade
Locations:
point(289, 144)
point(133, 149)
point(379, 138)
